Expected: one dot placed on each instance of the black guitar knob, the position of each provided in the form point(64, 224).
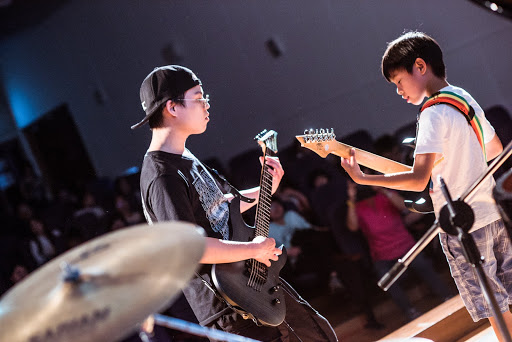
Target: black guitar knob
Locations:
point(273, 289)
point(276, 301)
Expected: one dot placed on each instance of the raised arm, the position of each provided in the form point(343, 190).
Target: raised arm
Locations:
point(277, 172)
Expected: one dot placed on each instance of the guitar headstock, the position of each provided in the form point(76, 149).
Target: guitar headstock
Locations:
point(317, 140)
point(268, 142)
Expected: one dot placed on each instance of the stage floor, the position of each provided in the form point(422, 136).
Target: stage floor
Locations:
point(440, 320)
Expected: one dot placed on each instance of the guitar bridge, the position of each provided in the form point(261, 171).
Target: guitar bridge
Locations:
point(257, 274)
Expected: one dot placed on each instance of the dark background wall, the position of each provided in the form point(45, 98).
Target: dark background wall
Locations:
point(93, 55)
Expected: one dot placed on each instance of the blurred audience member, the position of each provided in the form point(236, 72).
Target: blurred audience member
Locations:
point(377, 212)
point(90, 220)
point(293, 199)
point(19, 272)
point(309, 248)
point(41, 242)
point(126, 213)
point(31, 187)
point(131, 193)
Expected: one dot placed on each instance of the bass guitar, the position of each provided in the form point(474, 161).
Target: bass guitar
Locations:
point(250, 287)
point(323, 142)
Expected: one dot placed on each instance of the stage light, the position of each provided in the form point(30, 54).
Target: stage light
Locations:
point(501, 7)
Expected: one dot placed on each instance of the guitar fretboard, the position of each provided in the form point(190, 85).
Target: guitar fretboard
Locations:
point(264, 203)
point(258, 271)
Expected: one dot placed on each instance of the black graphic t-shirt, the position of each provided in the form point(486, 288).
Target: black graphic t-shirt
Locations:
point(178, 187)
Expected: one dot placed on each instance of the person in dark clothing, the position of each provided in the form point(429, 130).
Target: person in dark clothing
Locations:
point(175, 185)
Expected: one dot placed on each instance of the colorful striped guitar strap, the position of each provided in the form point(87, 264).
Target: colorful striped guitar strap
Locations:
point(462, 106)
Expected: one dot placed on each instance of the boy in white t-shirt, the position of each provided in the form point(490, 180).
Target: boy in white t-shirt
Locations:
point(447, 145)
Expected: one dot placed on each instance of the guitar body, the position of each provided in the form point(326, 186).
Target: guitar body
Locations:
point(264, 302)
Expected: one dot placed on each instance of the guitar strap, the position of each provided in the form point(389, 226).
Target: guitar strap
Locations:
point(233, 190)
point(459, 103)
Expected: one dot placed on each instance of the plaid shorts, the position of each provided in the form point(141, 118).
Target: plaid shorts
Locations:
point(494, 245)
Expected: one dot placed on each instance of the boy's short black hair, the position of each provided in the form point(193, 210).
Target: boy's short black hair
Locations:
point(402, 52)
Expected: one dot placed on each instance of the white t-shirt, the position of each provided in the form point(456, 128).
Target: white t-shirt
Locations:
point(460, 160)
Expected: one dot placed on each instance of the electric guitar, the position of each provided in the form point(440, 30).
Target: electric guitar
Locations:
point(323, 142)
point(250, 287)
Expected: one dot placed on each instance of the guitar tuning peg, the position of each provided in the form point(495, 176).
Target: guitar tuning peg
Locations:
point(332, 135)
point(320, 134)
point(307, 135)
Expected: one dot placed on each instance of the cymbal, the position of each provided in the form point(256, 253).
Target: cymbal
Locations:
point(100, 290)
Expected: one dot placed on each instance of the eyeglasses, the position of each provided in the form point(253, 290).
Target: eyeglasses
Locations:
point(205, 101)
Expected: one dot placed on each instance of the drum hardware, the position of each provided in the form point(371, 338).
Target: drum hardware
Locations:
point(101, 290)
point(196, 329)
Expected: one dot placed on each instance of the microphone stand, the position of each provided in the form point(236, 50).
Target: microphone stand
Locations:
point(457, 218)
point(401, 265)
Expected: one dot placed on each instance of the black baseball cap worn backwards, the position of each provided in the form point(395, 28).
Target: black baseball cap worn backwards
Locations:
point(163, 84)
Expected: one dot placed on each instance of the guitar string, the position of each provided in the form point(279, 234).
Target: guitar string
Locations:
point(259, 271)
point(255, 265)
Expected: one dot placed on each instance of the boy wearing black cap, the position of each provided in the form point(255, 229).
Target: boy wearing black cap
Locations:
point(175, 185)
point(454, 140)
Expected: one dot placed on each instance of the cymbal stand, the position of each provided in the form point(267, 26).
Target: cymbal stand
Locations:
point(198, 330)
point(401, 265)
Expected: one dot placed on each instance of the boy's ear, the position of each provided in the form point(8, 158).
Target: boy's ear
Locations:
point(421, 65)
point(171, 107)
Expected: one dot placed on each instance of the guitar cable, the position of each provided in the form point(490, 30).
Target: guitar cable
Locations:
point(223, 300)
point(296, 296)
point(293, 331)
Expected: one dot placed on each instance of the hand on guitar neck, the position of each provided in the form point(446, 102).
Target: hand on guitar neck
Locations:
point(352, 167)
point(323, 143)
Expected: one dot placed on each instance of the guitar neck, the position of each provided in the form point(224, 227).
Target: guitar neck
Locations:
point(370, 160)
point(264, 202)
